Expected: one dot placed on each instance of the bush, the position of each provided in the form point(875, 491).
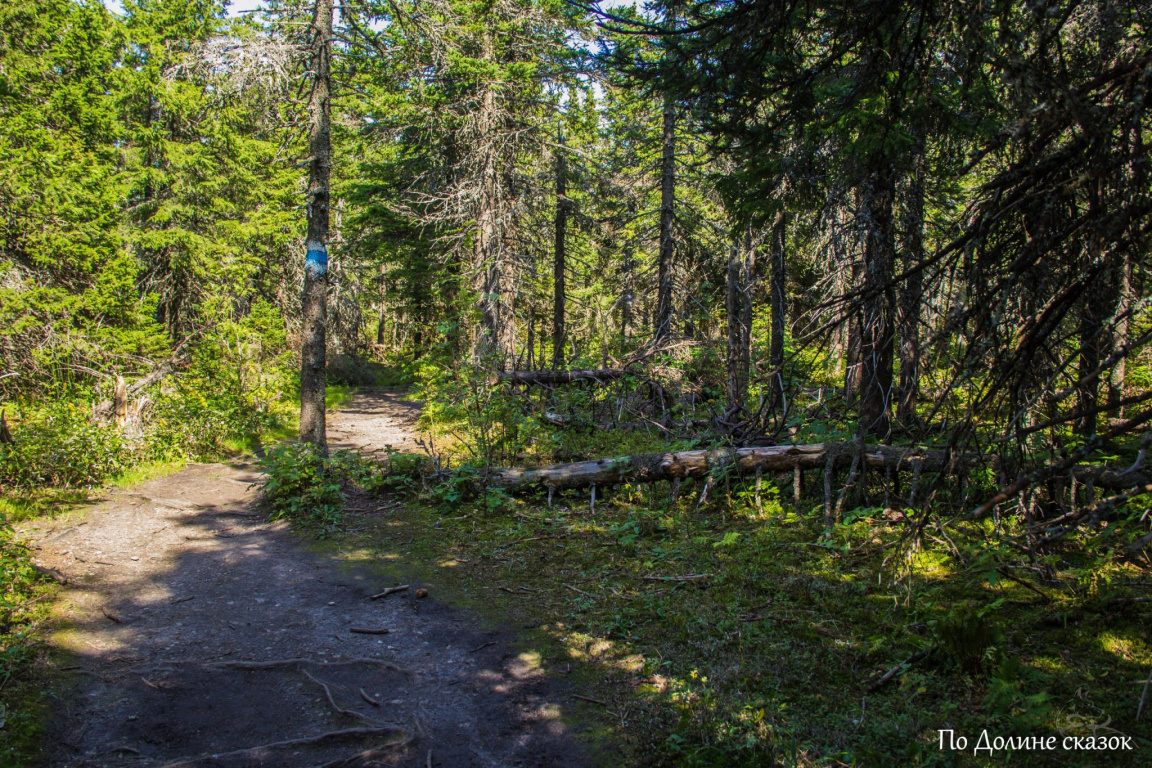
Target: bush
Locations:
point(59, 445)
point(304, 486)
point(301, 486)
point(19, 585)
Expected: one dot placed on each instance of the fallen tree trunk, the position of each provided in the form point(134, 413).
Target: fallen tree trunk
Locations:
point(545, 378)
point(650, 467)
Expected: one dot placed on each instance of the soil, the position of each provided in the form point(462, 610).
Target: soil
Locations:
point(172, 582)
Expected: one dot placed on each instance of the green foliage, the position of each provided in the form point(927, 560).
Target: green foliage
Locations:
point(59, 445)
point(303, 486)
point(23, 609)
point(19, 584)
point(969, 636)
point(749, 663)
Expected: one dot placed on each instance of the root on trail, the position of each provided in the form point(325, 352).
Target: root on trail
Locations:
point(332, 700)
point(301, 742)
point(283, 663)
point(368, 754)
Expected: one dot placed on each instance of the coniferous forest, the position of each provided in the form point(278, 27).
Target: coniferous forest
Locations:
point(775, 377)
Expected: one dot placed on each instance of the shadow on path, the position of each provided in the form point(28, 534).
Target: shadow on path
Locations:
point(177, 579)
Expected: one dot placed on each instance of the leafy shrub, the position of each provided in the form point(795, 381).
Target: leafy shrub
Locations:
point(398, 472)
point(59, 445)
point(302, 486)
point(19, 583)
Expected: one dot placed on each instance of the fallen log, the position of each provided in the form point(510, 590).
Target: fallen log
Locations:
point(545, 378)
point(651, 467)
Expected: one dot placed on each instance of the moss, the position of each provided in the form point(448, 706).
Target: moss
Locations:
point(767, 656)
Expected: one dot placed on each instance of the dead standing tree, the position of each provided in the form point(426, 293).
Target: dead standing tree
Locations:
point(465, 75)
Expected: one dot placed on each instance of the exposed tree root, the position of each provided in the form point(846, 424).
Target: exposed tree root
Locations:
point(255, 752)
point(289, 663)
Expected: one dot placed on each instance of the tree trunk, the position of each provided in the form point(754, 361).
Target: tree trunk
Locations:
point(776, 287)
point(663, 329)
point(627, 294)
point(741, 268)
point(313, 351)
point(1119, 339)
point(854, 333)
point(879, 301)
point(911, 292)
point(558, 264)
point(492, 336)
point(651, 467)
point(1100, 299)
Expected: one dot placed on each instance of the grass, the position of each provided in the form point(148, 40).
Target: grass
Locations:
point(336, 396)
point(766, 656)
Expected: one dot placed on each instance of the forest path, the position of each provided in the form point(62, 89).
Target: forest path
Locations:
point(173, 580)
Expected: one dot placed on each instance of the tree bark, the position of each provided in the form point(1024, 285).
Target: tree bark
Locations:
point(911, 292)
point(879, 301)
point(313, 351)
point(558, 264)
point(663, 320)
point(627, 294)
point(1100, 300)
point(776, 287)
point(651, 467)
point(741, 268)
point(492, 340)
point(1119, 339)
point(853, 345)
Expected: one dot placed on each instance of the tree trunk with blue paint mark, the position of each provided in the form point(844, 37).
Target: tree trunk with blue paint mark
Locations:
point(315, 308)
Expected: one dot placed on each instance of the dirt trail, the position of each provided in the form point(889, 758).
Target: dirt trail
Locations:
point(174, 580)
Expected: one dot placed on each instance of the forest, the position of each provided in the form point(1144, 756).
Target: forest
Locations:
point(782, 369)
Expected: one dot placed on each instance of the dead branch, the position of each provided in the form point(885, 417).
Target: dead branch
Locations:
point(389, 591)
point(892, 672)
point(51, 573)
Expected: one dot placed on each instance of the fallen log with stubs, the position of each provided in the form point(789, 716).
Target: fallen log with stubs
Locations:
point(652, 467)
point(548, 378)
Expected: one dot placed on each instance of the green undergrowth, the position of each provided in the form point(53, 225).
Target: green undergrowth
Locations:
point(738, 632)
point(25, 597)
point(732, 635)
